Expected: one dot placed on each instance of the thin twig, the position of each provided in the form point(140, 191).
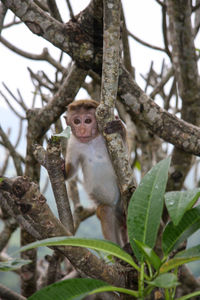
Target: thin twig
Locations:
point(11, 106)
point(43, 56)
point(161, 84)
point(164, 30)
point(145, 43)
point(54, 10)
point(70, 10)
point(17, 158)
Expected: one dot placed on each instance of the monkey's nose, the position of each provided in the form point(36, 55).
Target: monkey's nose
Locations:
point(82, 130)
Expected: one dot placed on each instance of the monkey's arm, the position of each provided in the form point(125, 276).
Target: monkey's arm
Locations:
point(71, 161)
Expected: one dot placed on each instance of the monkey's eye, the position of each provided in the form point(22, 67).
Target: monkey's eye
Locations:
point(77, 121)
point(88, 121)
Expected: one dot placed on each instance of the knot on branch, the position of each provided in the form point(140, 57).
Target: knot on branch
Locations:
point(42, 199)
point(103, 111)
point(34, 27)
point(20, 186)
point(54, 146)
point(24, 207)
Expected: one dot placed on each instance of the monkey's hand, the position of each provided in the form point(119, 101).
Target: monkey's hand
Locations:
point(114, 127)
point(63, 168)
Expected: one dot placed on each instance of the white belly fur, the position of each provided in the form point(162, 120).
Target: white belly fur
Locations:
point(100, 180)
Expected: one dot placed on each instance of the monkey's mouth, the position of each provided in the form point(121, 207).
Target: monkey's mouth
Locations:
point(84, 139)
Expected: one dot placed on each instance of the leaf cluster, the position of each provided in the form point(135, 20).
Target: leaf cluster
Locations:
point(143, 221)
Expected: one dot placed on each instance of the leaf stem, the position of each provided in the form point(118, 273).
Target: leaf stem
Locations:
point(141, 282)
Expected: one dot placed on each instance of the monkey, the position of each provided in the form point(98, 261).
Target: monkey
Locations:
point(87, 149)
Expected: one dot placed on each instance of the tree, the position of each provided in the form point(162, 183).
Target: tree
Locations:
point(150, 127)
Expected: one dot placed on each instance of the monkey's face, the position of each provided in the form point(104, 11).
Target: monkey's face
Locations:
point(83, 124)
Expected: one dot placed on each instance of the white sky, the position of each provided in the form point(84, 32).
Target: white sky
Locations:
point(143, 18)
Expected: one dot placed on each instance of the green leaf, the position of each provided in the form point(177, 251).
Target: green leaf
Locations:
point(183, 257)
point(150, 255)
point(13, 264)
point(166, 281)
point(100, 245)
point(179, 202)
point(1, 179)
point(138, 165)
point(146, 205)
point(76, 289)
point(175, 235)
point(68, 289)
point(65, 133)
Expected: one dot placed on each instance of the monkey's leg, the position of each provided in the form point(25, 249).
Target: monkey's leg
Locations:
point(109, 223)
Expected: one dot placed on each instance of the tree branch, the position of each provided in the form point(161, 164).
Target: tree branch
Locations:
point(186, 72)
point(139, 104)
point(183, 135)
point(51, 160)
point(16, 157)
point(105, 111)
point(22, 199)
point(62, 35)
point(43, 56)
point(8, 294)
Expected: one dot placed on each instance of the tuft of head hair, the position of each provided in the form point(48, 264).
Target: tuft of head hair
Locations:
point(78, 104)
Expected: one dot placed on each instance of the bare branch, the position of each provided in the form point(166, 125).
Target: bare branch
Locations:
point(42, 5)
point(183, 135)
point(105, 111)
point(3, 10)
point(8, 294)
point(8, 25)
point(145, 43)
point(54, 10)
point(10, 226)
point(186, 73)
point(43, 56)
point(21, 103)
point(11, 106)
point(5, 163)
point(70, 9)
point(66, 93)
point(161, 84)
point(22, 199)
point(51, 160)
point(62, 35)
point(126, 48)
point(17, 159)
point(160, 2)
point(164, 29)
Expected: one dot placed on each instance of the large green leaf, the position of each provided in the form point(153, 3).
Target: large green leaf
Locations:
point(149, 254)
point(146, 205)
point(166, 281)
point(100, 245)
point(174, 235)
point(13, 264)
point(76, 289)
point(181, 258)
point(179, 202)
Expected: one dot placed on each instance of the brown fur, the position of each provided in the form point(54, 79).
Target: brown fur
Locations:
point(78, 104)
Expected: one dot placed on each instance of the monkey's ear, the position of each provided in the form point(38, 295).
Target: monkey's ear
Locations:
point(65, 117)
